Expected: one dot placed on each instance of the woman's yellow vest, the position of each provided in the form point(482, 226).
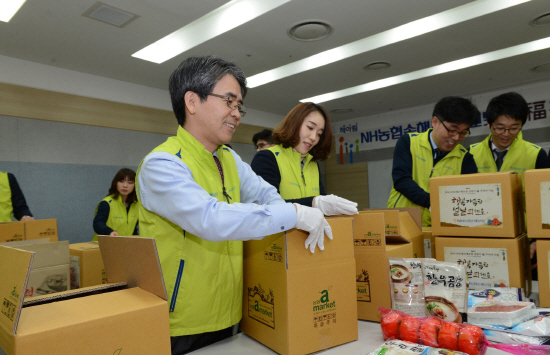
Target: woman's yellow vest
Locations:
point(294, 184)
point(521, 156)
point(424, 169)
point(120, 220)
point(203, 279)
point(6, 207)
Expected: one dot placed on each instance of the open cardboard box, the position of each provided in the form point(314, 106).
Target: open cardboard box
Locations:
point(128, 315)
point(296, 302)
point(537, 202)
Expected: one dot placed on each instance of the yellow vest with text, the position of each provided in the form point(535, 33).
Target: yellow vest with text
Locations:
point(521, 156)
point(293, 184)
point(424, 169)
point(203, 279)
point(6, 207)
point(120, 220)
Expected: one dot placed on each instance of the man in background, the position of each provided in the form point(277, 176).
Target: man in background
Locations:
point(436, 152)
point(262, 140)
point(12, 200)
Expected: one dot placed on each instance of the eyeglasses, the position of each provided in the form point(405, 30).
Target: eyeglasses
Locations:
point(453, 132)
point(261, 145)
point(501, 130)
point(232, 104)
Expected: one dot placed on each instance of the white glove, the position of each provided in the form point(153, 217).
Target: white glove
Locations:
point(313, 221)
point(332, 205)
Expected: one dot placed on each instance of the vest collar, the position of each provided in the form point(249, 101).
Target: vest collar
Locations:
point(517, 141)
point(296, 156)
point(191, 144)
point(426, 144)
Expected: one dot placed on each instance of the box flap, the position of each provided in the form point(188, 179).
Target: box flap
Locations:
point(70, 294)
point(15, 268)
point(409, 228)
point(391, 220)
point(84, 246)
point(415, 212)
point(47, 254)
point(18, 243)
point(133, 260)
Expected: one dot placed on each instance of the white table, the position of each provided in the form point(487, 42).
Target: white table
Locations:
point(370, 337)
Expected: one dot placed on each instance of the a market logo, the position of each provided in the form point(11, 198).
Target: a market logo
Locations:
point(261, 305)
point(362, 284)
point(324, 302)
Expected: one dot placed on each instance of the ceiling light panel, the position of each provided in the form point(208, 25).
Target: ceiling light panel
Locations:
point(416, 28)
point(435, 70)
point(213, 24)
point(8, 8)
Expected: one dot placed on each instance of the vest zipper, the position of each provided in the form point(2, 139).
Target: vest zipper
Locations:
point(431, 173)
point(227, 197)
point(234, 288)
point(302, 170)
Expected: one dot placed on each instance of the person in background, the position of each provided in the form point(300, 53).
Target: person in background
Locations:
point(117, 214)
point(504, 149)
point(436, 152)
point(12, 200)
point(200, 201)
point(303, 138)
point(263, 139)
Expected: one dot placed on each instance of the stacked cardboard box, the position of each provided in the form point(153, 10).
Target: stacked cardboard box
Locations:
point(37, 229)
point(479, 222)
point(86, 265)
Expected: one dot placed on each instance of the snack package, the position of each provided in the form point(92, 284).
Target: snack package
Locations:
point(407, 286)
point(540, 326)
point(400, 347)
point(445, 290)
point(497, 294)
point(502, 313)
point(498, 336)
point(434, 332)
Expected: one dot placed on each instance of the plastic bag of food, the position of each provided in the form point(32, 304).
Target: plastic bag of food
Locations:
point(401, 347)
point(502, 313)
point(497, 294)
point(498, 336)
point(445, 290)
point(407, 285)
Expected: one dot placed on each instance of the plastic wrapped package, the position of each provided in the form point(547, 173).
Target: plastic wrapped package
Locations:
point(502, 313)
point(407, 285)
point(499, 336)
point(400, 347)
point(497, 294)
point(539, 326)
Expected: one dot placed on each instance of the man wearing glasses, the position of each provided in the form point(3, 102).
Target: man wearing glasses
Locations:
point(263, 140)
point(419, 156)
point(200, 201)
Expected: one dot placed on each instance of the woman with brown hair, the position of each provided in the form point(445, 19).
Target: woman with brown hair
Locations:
point(117, 214)
point(301, 139)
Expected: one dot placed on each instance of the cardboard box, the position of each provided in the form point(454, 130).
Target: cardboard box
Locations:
point(477, 205)
point(373, 247)
point(86, 265)
point(110, 319)
point(490, 262)
point(537, 202)
point(543, 268)
point(296, 302)
point(429, 242)
point(12, 231)
point(37, 229)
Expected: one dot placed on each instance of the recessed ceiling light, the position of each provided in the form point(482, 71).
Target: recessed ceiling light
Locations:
point(542, 68)
point(542, 20)
point(109, 14)
point(412, 29)
point(377, 66)
point(213, 24)
point(310, 31)
point(9, 8)
point(340, 111)
point(435, 70)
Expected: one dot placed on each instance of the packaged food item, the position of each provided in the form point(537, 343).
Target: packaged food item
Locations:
point(537, 327)
point(445, 290)
point(400, 347)
point(499, 336)
point(407, 286)
point(497, 294)
point(502, 313)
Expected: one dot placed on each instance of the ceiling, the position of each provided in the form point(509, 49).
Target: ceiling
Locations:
point(54, 32)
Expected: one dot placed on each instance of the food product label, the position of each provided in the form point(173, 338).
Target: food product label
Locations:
point(485, 267)
point(544, 203)
point(428, 248)
point(407, 286)
point(471, 205)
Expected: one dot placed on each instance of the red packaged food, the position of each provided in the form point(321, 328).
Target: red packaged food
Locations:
point(448, 336)
point(470, 339)
point(390, 325)
point(408, 329)
point(429, 331)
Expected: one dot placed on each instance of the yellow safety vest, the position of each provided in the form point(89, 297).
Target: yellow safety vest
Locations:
point(120, 220)
point(294, 184)
point(6, 207)
point(204, 279)
point(424, 169)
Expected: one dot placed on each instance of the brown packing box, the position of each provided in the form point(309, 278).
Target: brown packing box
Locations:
point(477, 205)
point(296, 302)
point(86, 265)
point(12, 231)
point(132, 318)
point(429, 242)
point(37, 229)
point(537, 202)
point(543, 268)
point(490, 262)
point(373, 247)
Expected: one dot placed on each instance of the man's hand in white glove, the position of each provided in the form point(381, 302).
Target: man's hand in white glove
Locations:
point(332, 205)
point(313, 221)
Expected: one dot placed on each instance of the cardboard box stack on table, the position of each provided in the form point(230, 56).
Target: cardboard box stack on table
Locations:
point(537, 200)
point(478, 221)
point(37, 229)
point(296, 302)
point(106, 319)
